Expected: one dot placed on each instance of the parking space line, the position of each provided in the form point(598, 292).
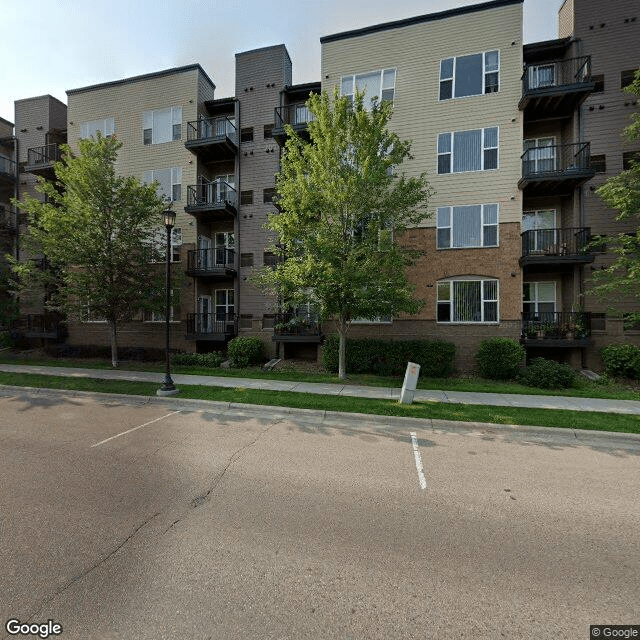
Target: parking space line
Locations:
point(124, 433)
point(416, 455)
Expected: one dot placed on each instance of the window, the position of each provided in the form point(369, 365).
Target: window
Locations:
point(224, 304)
point(467, 226)
point(246, 134)
point(158, 239)
point(376, 86)
point(538, 297)
point(542, 75)
point(246, 197)
point(626, 77)
point(475, 150)
point(89, 129)
point(541, 227)
point(269, 195)
point(376, 320)
point(467, 301)
point(170, 182)
point(154, 316)
point(268, 132)
point(470, 75)
point(270, 259)
point(628, 157)
point(539, 156)
point(599, 80)
point(162, 125)
point(246, 321)
point(246, 259)
point(599, 163)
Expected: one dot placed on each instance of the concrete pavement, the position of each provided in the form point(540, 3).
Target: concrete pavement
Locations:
point(630, 407)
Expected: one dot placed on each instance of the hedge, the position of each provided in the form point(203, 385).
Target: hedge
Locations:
point(390, 357)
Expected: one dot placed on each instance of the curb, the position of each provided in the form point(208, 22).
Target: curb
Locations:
point(323, 417)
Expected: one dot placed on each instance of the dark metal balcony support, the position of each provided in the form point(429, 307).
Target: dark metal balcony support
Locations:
point(7, 169)
point(553, 246)
point(218, 326)
point(556, 329)
point(213, 138)
point(42, 158)
point(217, 261)
point(297, 115)
point(296, 327)
point(212, 197)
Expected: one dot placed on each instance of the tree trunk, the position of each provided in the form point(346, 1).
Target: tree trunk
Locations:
point(114, 344)
point(342, 349)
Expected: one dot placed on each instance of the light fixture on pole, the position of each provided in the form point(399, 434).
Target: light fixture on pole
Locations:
point(168, 388)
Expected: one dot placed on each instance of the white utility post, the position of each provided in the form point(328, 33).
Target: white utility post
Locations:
point(410, 383)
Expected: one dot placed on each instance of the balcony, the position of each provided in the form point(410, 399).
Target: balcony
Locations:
point(211, 201)
point(556, 329)
point(297, 115)
point(7, 170)
point(212, 327)
point(555, 89)
point(218, 262)
point(555, 170)
point(212, 139)
point(557, 247)
point(40, 160)
point(44, 325)
point(296, 327)
point(8, 221)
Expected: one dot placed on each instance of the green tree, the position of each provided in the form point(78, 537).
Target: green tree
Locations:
point(95, 229)
point(344, 209)
point(622, 192)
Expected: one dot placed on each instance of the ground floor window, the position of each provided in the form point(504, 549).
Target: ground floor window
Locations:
point(467, 300)
point(538, 298)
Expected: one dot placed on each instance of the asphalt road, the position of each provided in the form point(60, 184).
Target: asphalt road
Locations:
point(122, 519)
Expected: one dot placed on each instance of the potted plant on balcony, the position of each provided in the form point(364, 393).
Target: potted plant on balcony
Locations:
point(550, 329)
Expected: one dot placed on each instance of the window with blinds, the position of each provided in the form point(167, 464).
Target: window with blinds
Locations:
point(467, 226)
point(474, 150)
point(467, 301)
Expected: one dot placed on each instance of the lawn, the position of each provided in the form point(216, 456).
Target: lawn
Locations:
point(433, 410)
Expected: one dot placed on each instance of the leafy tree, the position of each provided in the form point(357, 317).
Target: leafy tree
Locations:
point(622, 192)
point(344, 209)
point(94, 229)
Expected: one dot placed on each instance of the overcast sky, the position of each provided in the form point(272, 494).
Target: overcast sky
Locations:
point(48, 46)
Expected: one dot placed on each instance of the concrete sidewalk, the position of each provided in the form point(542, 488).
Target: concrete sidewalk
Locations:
point(631, 407)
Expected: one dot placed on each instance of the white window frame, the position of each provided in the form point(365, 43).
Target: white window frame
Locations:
point(353, 78)
point(158, 135)
point(483, 300)
point(226, 305)
point(158, 239)
point(483, 224)
point(156, 317)
point(106, 126)
point(534, 143)
point(542, 240)
point(534, 76)
point(376, 320)
point(484, 148)
point(452, 78)
point(175, 182)
point(536, 301)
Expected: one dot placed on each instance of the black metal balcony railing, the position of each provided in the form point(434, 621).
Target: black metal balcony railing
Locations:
point(7, 167)
point(565, 242)
point(47, 325)
point(294, 114)
point(8, 220)
point(557, 160)
point(296, 324)
point(214, 260)
point(211, 195)
point(212, 129)
point(219, 323)
point(45, 155)
point(556, 325)
point(556, 73)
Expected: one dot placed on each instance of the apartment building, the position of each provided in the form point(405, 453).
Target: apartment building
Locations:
point(8, 217)
point(514, 139)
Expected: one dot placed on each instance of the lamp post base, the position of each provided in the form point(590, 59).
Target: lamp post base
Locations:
point(167, 388)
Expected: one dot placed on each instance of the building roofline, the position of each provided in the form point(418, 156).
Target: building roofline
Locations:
point(145, 76)
point(45, 95)
point(263, 49)
point(5, 121)
point(303, 86)
point(430, 17)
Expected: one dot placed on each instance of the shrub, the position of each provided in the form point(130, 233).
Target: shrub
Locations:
point(5, 339)
point(245, 351)
point(212, 360)
point(390, 357)
point(499, 358)
point(621, 360)
point(549, 374)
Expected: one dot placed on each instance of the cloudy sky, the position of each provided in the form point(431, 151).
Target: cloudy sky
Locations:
point(48, 46)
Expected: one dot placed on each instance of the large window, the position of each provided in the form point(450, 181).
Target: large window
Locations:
point(170, 182)
point(538, 298)
point(162, 125)
point(106, 127)
point(474, 150)
point(467, 301)
point(469, 75)
point(158, 238)
point(541, 156)
point(473, 225)
point(376, 85)
point(225, 307)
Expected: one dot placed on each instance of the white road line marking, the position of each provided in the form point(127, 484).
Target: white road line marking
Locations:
point(124, 433)
point(416, 455)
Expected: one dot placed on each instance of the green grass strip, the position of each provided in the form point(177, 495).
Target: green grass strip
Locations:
point(442, 411)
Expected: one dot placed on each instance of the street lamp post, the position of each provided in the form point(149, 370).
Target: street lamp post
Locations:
point(168, 388)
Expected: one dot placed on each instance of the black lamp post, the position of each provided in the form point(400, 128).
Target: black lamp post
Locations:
point(168, 388)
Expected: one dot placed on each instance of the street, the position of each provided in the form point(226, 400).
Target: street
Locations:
point(127, 519)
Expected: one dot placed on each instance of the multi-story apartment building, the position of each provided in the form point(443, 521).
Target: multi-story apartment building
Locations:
point(514, 139)
point(8, 217)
